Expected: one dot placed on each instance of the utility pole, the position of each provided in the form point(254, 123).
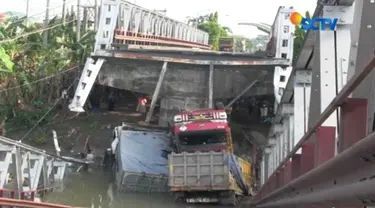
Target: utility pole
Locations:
point(27, 8)
point(63, 12)
point(78, 32)
point(46, 21)
point(85, 19)
point(96, 21)
point(27, 12)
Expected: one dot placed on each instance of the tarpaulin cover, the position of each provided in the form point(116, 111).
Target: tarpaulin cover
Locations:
point(237, 173)
point(143, 151)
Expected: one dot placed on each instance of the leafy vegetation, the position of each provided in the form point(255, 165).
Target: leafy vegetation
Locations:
point(260, 42)
point(242, 44)
point(24, 60)
point(299, 36)
point(210, 24)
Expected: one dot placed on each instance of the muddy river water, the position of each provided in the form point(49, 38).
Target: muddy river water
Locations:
point(93, 189)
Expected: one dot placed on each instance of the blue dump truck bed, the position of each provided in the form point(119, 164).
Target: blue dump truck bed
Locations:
point(141, 160)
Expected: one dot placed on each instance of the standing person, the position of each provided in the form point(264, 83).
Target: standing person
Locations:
point(219, 106)
point(143, 103)
point(250, 106)
point(141, 106)
point(111, 101)
point(2, 127)
point(264, 112)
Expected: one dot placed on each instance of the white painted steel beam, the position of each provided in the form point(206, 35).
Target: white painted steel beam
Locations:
point(345, 2)
point(268, 150)
point(133, 20)
point(262, 171)
point(107, 23)
point(330, 65)
point(87, 80)
point(272, 141)
point(314, 89)
point(287, 109)
point(302, 90)
point(362, 50)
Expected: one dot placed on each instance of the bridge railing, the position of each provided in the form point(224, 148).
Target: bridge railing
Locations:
point(122, 22)
point(317, 163)
point(319, 151)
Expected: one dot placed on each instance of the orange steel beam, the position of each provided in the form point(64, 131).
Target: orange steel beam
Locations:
point(159, 41)
point(30, 204)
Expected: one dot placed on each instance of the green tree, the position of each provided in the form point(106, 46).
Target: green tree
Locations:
point(242, 44)
point(299, 36)
point(210, 24)
point(24, 59)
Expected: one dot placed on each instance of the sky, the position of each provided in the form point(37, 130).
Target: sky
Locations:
point(231, 12)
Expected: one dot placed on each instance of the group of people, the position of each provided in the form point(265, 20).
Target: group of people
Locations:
point(141, 105)
point(261, 108)
point(112, 99)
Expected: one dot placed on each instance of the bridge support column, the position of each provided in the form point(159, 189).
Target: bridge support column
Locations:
point(287, 111)
point(302, 90)
point(156, 92)
point(211, 86)
point(264, 165)
point(109, 12)
point(333, 55)
point(171, 105)
point(16, 170)
point(85, 84)
point(362, 50)
point(271, 158)
point(277, 133)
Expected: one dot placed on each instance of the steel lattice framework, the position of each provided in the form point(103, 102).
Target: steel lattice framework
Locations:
point(321, 149)
point(124, 23)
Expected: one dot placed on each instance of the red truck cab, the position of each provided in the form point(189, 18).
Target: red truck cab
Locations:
point(201, 130)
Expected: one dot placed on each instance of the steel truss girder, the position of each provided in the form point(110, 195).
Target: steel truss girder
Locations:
point(127, 21)
point(29, 171)
point(138, 20)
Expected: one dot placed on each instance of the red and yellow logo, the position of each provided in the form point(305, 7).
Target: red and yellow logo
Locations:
point(296, 18)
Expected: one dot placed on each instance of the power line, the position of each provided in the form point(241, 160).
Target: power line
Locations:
point(39, 80)
point(41, 119)
point(38, 14)
point(30, 33)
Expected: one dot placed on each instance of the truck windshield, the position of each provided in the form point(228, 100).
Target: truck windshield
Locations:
point(202, 138)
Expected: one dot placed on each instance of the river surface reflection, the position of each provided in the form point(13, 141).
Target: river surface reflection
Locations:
point(92, 189)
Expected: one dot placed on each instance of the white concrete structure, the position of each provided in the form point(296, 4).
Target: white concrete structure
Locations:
point(282, 32)
point(316, 77)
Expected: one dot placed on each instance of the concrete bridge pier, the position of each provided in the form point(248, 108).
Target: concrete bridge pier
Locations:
point(188, 80)
point(171, 104)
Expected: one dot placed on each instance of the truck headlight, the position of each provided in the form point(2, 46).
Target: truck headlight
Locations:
point(177, 118)
point(223, 115)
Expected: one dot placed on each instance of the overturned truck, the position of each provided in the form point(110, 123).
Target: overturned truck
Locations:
point(139, 159)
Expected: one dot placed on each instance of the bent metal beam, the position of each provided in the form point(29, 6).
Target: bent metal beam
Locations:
point(195, 57)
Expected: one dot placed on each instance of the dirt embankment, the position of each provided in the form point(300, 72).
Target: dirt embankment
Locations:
point(96, 127)
point(74, 130)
